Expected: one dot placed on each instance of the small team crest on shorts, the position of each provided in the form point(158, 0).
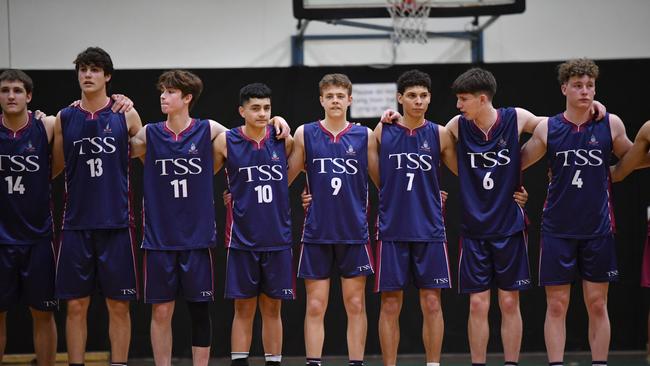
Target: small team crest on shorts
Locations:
point(30, 147)
point(107, 129)
point(193, 149)
point(275, 156)
point(593, 141)
point(425, 146)
point(502, 143)
point(350, 150)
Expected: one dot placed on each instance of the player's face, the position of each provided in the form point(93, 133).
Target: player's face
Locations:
point(580, 91)
point(256, 112)
point(335, 100)
point(469, 105)
point(415, 101)
point(172, 100)
point(92, 78)
point(13, 97)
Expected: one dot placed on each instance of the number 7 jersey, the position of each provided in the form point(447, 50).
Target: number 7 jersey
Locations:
point(178, 198)
point(337, 179)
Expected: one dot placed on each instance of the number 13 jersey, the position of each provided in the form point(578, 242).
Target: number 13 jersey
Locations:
point(337, 178)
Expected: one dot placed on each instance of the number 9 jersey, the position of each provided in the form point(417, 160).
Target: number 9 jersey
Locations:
point(178, 198)
point(337, 179)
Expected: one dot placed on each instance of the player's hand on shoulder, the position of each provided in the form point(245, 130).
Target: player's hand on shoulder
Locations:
point(282, 128)
point(390, 116)
point(521, 197)
point(598, 110)
point(122, 103)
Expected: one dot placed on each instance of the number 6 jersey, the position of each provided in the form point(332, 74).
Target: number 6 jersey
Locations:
point(96, 151)
point(178, 199)
point(337, 179)
point(578, 204)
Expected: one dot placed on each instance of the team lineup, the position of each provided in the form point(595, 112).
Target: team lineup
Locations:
point(93, 141)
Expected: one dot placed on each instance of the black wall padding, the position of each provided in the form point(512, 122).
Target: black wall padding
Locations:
point(622, 87)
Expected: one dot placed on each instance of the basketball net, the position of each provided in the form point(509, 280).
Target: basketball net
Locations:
point(409, 20)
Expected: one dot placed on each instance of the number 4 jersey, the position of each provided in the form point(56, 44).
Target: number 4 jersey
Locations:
point(96, 152)
point(337, 178)
point(578, 204)
point(178, 199)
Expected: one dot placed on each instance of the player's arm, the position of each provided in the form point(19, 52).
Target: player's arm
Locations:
point(133, 122)
point(296, 161)
point(216, 129)
point(636, 156)
point(448, 149)
point(282, 128)
point(219, 151)
point(373, 158)
point(526, 121)
point(452, 128)
point(535, 148)
point(288, 145)
point(48, 123)
point(139, 143)
point(57, 147)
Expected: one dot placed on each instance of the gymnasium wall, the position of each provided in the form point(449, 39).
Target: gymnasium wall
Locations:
point(621, 87)
point(144, 34)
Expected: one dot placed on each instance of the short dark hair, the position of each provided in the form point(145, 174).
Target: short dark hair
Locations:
point(18, 75)
point(474, 81)
point(341, 80)
point(413, 78)
point(576, 67)
point(254, 90)
point(183, 80)
point(95, 56)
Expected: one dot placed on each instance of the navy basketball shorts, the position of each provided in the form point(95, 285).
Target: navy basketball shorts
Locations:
point(250, 273)
point(501, 261)
point(561, 260)
point(399, 262)
point(27, 272)
point(317, 260)
point(168, 273)
point(100, 259)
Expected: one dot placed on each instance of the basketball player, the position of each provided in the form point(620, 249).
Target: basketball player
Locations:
point(259, 263)
point(577, 221)
point(337, 157)
point(412, 240)
point(91, 144)
point(26, 248)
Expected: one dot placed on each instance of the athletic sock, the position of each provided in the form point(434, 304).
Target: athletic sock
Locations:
point(561, 363)
point(239, 358)
point(355, 363)
point(118, 364)
point(478, 364)
point(313, 361)
point(433, 363)
point(272, 360)
point(598, 363)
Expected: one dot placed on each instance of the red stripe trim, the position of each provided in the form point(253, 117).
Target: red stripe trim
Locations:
point(339, 135)
point(378, 273)
point(412, 132)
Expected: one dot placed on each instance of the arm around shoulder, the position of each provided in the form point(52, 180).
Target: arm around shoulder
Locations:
point(448, 149)
point(373, 158)
point(219, 151)
point(139, 143)
point(296, 160)
point(57, 147)
point(133, 122)
point(216, 129)
point(535, 148)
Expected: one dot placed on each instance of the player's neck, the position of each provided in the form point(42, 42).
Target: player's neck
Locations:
point(412, 122)
point(577, 116)
point(177, 122)
point(486, 119)
point(92, 102)
point(254, 132)
point(16, 121)
point(335, 125)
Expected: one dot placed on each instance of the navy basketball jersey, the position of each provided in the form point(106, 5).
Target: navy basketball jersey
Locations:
point(337, 179)
point(259, 216)
point(96, 151)
point(410, 206)
point(578, 202)
point(489, 170)
point(25, 217)
point(178, 199)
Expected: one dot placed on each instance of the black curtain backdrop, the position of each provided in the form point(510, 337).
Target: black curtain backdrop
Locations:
point(295, 96)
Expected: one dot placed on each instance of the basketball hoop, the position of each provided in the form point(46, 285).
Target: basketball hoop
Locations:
point(409, 20)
